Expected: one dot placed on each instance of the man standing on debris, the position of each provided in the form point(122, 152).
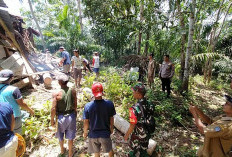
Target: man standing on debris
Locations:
point(64, 106)
point(166, 73)
point(13, 96)
point(218, 137)
point(77, 61)
point(65, 61)
point(96, 63)
point(151, 70)
point(99, 120)
point(139, 113)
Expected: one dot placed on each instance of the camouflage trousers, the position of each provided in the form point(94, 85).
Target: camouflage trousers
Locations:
point(139, 146)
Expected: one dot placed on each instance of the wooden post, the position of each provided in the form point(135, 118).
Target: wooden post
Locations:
point(47, 80)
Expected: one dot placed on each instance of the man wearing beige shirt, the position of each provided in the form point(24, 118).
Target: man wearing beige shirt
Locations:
point(217, 131)
point(167, 71)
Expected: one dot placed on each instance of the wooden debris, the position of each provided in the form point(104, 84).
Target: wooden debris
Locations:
point(47, 80)
point(23, 83)
point(122, 125)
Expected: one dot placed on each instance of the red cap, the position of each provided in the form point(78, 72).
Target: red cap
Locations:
point(97, 89)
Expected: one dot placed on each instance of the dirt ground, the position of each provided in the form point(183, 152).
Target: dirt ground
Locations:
point(49, 145)
point(172, 141)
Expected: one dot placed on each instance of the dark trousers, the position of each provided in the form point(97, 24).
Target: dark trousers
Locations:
point(166, 84)
point(88, 68)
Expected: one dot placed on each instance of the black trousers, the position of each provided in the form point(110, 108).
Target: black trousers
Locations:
point(88, 68)
point(166, 84)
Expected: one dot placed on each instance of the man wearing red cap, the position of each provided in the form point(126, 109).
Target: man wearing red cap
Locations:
point(99, 120)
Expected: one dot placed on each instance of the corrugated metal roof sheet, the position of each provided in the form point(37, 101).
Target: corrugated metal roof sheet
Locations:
point(3, 4)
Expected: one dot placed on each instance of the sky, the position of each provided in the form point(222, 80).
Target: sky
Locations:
point(15, 5)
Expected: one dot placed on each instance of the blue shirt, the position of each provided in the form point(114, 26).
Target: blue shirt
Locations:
point(98, 112)
point(66, 55)
point(10, 94)
point(6, 135)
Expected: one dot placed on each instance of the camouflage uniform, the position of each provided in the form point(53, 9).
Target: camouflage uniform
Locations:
point(140, 137)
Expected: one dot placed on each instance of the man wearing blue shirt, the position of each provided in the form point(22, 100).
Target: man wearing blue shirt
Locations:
point(98, 118)
point(8, 141)
point(13, 96)
point(65, 61)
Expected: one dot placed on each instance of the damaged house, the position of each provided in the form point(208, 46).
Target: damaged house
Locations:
point(17, 51)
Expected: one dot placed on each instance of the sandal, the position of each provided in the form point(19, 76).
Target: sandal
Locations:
point(63, 154)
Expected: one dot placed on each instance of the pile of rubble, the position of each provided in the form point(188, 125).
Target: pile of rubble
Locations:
point(18, 54)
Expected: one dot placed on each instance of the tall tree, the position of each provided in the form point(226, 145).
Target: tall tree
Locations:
point(140, 29)
point(183, 40)
point(37, 24)
point(190, 45)
point(80, 14)
point(214, 39)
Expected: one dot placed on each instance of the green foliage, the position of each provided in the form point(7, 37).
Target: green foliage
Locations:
point(130, 77)
point(36, 125)
point(224, 65)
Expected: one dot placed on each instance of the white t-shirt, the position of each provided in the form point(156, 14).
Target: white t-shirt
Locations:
point(77, 62)
point(96, 61)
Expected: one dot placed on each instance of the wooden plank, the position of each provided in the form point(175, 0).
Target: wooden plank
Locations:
point(12, 37)
point(14, 63)
point(23, 83)
point(122, 125)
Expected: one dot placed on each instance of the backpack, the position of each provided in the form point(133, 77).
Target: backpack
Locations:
point(148, 114)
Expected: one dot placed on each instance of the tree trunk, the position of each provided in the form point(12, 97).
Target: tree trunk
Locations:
point(140, 29)
point(147, 42)
point(212, 43)
point(80, 14)
point(37, 24)
point(189, 47)
point(183, 40)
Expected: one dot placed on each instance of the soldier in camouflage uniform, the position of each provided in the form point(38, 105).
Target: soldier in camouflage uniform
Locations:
point(139, 134)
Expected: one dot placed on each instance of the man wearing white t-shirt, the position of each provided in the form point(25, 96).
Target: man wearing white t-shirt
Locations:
point(77, 61)
point(96, 63)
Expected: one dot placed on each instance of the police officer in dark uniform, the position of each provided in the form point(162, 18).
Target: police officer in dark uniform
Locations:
point(166, 73)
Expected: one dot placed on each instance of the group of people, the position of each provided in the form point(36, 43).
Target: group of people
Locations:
point(76, 62)
point(98, 116)
point(166, 72)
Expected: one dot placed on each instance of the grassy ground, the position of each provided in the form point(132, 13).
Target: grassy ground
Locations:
point(176, 134)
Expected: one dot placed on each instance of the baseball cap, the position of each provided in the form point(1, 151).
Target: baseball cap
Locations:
point(228, 98)
point(97, 89)
point(139, 87)
point(6, 74)
point(62, 47)
point(62, 77)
